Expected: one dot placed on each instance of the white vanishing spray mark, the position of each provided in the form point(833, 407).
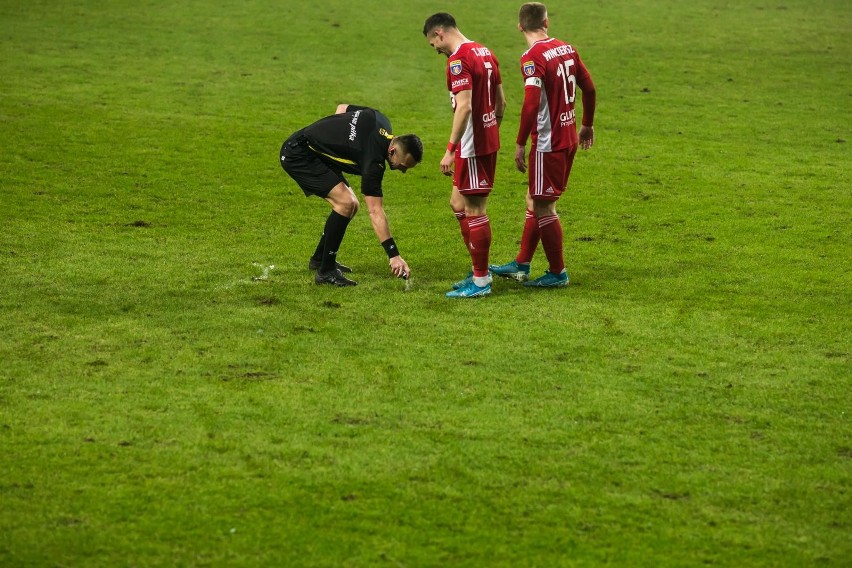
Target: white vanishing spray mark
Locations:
point(263, 277)
point(264, 269)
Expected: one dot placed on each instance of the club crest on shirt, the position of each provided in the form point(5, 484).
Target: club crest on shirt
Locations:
point(529, 68)
point(456, 67)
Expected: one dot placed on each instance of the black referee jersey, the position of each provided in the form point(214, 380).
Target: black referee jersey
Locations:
point(354, 142)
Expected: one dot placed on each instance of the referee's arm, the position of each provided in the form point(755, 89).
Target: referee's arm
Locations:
point(379, 219)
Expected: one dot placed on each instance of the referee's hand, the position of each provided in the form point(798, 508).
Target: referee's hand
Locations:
point(399, 267)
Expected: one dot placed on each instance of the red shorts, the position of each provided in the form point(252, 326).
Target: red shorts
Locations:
point(549, 173)
point(475, 176)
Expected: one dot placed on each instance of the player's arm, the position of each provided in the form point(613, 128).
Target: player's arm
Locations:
point(379, 219)
point(587, 86)
point(460, 117)
point(345, 107)
point(529, 113)
point(500, 104)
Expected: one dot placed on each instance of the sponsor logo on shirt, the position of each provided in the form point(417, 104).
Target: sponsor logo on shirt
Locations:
point(566, 118)
point(456, 67)
point(489, 119)
point(460, 82)
point(529, 68)
point(352, 125)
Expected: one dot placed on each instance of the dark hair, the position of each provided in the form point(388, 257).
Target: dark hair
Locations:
point(411, 144)
point(532, 16)
point(439, 20)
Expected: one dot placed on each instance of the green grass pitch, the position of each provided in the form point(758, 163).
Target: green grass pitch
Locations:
point(175, 390)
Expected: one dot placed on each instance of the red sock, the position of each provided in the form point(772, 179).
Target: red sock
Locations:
point(463, 225)
point(480, 243)
point(529, 239)
point(551, 241)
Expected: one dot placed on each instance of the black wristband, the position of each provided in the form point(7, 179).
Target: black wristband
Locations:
point(390, 248)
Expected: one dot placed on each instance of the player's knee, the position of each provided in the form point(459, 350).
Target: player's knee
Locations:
point(544, 208)
point(350, 208)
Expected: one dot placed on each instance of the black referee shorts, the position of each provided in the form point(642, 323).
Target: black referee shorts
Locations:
point(310, 172)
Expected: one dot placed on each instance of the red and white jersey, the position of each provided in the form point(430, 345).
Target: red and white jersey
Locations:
point(472, 67)
point(552, 71)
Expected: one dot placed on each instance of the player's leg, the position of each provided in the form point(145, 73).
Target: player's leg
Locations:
point(316, 259)
point(457, 205)
point(550, 229)
point(344, 206)
point(316, 178)
point(479, 243)
point(550, 184)
point(519, 269)
point(474, 178)
point(530, 236)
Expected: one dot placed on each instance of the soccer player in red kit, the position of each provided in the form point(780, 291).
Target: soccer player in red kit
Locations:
point(552, 71)
point(476, 92)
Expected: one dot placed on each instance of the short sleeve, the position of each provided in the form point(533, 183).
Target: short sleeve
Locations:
point(371, 179)
point(458, 75)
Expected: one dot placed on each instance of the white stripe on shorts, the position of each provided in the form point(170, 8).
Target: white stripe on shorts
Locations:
point(538, 182)
point(472, 173)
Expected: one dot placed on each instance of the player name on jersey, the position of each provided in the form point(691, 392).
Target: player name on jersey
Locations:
point(557, 51)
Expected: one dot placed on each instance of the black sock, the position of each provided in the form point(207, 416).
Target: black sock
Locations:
point(318, 252)
point(335, 228)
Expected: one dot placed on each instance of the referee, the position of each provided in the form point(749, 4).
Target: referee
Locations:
point(356, 140)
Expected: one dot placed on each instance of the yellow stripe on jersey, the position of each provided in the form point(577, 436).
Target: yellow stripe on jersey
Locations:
point(335, 158)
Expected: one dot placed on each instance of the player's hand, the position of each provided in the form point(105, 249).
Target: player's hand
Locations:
point(447, 163)
point(399, 267)
point(587, 137)
point(521, 158)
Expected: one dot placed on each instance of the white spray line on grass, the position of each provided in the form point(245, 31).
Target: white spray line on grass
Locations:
point(265, 270)
point(263, 277)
